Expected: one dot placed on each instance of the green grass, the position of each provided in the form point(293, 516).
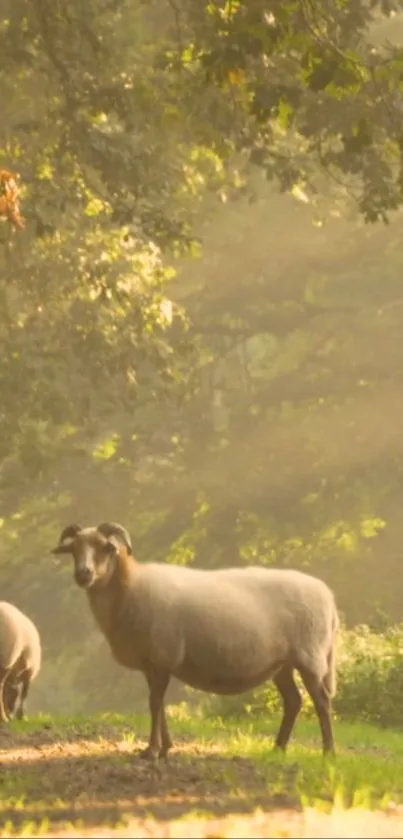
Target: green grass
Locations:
point(368, 769)
point(218, 767)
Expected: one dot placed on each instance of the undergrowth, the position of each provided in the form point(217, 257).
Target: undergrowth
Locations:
point(369, 682)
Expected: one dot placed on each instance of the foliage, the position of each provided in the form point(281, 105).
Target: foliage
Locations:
point(308, 88)
point(243, 408)
point(369, 683)
point(9, 203)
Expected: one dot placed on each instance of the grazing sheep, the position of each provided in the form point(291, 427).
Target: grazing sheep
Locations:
point(224, 631)
point(20, 659)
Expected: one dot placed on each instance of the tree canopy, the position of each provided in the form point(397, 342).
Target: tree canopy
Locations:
point(183, 349)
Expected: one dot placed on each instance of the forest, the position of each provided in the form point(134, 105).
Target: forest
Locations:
point(201, 318)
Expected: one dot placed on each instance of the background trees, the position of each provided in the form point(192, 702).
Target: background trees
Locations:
point(184, 349)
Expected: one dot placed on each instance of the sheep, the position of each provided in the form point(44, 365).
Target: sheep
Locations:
point(20, 660)
point(222, 631)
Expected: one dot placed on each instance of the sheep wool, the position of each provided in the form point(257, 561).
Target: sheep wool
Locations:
point(224, 631)
point(20, 659)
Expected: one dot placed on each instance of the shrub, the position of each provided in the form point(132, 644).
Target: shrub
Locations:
point(369, 682)
point(370, 676)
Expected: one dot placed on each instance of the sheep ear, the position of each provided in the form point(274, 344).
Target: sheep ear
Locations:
point(66, 540)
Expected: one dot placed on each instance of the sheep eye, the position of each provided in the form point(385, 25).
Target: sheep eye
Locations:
point(111, 548)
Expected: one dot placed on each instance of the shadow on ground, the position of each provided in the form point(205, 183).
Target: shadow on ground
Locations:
point(96, 778)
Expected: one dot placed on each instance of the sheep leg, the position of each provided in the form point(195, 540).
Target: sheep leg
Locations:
point(157, 685)
point(292, 704)
point(23, 693)
point(3, 676)
point(165, 735)
point(10, 696)
point(322, 702)
point(166, 739)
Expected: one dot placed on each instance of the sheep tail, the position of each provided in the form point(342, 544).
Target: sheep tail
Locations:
point(330, 677)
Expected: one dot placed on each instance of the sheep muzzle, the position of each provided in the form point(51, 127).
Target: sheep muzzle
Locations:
point(84, 577)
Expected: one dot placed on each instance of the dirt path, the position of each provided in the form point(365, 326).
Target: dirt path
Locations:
point(84, 784)
point(283, 823)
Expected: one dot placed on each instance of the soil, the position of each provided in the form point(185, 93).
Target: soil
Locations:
point(95, 782)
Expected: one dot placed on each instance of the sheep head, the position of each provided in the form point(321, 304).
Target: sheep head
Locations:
point(95, 551)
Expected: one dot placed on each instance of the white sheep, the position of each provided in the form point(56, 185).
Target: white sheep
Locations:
point(223, 631)
point(20, 659)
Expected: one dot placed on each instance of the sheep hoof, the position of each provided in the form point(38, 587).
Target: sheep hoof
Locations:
point(165, 748)
point(154, 766)
point(155, 769)
point(280, 748)
point(148, 754)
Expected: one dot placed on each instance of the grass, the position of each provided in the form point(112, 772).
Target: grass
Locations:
point(83, 773)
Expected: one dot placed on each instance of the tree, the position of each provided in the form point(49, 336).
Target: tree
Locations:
point(205, 411)
point(309, 89)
